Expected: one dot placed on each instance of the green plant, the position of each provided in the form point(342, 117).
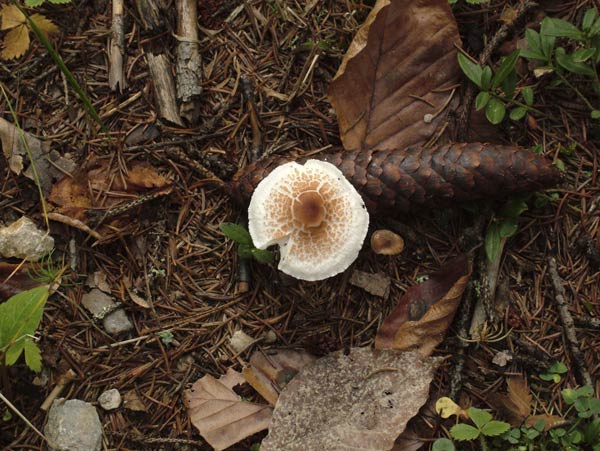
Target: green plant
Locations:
point(485, 427)
point(579, 431)
point(246, 248)
point(503, 226)
point(583, 60)
point(19, 318)
point(498, 88)
point(554, 372)
point(34, 3)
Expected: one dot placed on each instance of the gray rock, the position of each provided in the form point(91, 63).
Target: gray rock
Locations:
point(98, 303)
point(117, 322)
point(110, 399)
point(73, 426)
point(22, 239)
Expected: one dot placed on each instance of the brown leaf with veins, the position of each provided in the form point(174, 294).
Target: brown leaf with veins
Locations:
point(221, 416)
point(424, 313)
point(406, 69)
point(361, 400)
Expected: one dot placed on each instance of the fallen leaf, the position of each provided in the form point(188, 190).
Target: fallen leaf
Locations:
point(377, 284)
point(16, 277)
point(445, 408)
point(400, 67)
point(240, 341)
point(16, 43)
point(221, 416)
point(132, 401)
point(98, 279)
point(425, 312)
point(519, 396)
point(550, 421)
point(10, 17)
point(137, 299)
point(362, 400)
point(271, 370)
point(45, 25)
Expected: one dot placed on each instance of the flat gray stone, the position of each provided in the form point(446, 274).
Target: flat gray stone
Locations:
point(117, 322)
point(98, 303)
point(110, 399)
point(73, 425)
point(22, 239)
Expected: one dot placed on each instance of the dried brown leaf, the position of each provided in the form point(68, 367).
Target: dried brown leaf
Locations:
point(11, 17)
point(550, 421)
point(519, 396)
point(425, 312)
point(132, 401)
point(15, 278)
point(404, 71)
point(270, 371)
point(362, 400)
point(45, 25)
point(16, 43)
point(221, 416)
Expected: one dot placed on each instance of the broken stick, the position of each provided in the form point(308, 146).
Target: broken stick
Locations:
point(116, 55)
point(188, 66)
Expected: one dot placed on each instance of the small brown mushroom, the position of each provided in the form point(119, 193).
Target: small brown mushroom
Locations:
point(386, 242)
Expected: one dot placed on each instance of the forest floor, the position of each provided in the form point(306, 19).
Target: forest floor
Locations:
point(172, 254)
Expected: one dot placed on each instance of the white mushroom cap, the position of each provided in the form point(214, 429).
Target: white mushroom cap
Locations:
point(314, 214)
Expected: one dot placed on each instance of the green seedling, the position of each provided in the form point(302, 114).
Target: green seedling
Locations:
point(246, 248)
point(503, 226)
point(554, 373)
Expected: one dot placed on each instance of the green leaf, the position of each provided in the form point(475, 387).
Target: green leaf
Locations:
point(481, 100)
point(33, 3)
point(518, 113)
point(495, 111)
point(582, 55)
point(20, 315)
point(509, 84)
point(33, 355)
point(561, 28)
point(443, 444)
point(245, 251)
point(595, 29)
point(479, 416)
point(494, 428)
point(514, 207)
point(527, 94)
point(569, 395)
point(595, 114)
point(506, 67)
point(558, 368)
point(584, 392)
point(236, 232)
point(534, 43)
point(532, 55)
point(463, 431)
point(566, 62)
point(547, 41)
point(508, 227)
point(539, 425)
point(59, 2)
point(472, 70)
point(263, 256)
point(588, 19)
point(486, 78)
point(492, 241)
point(560, 165)
point(532, 433)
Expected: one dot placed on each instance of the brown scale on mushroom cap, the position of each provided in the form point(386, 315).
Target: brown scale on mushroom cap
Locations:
point(397, 181)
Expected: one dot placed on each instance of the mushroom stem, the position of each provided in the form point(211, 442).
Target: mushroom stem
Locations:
point(309, 209)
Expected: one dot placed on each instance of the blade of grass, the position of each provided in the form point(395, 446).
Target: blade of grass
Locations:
point(64, 69)
point(36, 176)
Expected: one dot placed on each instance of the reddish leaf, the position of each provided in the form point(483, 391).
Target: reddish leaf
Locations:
point(400, 67)
point(425, 312)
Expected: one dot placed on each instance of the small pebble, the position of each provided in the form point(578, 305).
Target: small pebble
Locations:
point(117, 322)
point(110, 399)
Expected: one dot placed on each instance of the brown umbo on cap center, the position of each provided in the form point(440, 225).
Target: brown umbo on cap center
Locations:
point(309, 209)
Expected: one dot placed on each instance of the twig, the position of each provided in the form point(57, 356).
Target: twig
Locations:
point(164, 87)
point(469, 95)
point(568, 324)
point(63, 380)
point(75, 223)
point(20, 415)
point(116, 55)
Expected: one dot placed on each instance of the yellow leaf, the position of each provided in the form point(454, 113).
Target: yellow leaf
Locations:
point(16, 43)
point(11, 17)
point(46, 26)
point(445, 408)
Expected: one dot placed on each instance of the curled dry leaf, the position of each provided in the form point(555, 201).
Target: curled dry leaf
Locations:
point(425, 312)
point(271, 370)
point(362, 400)
point(97, 187)
point(221, 416)
point(16, 41)
point(400, 67)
